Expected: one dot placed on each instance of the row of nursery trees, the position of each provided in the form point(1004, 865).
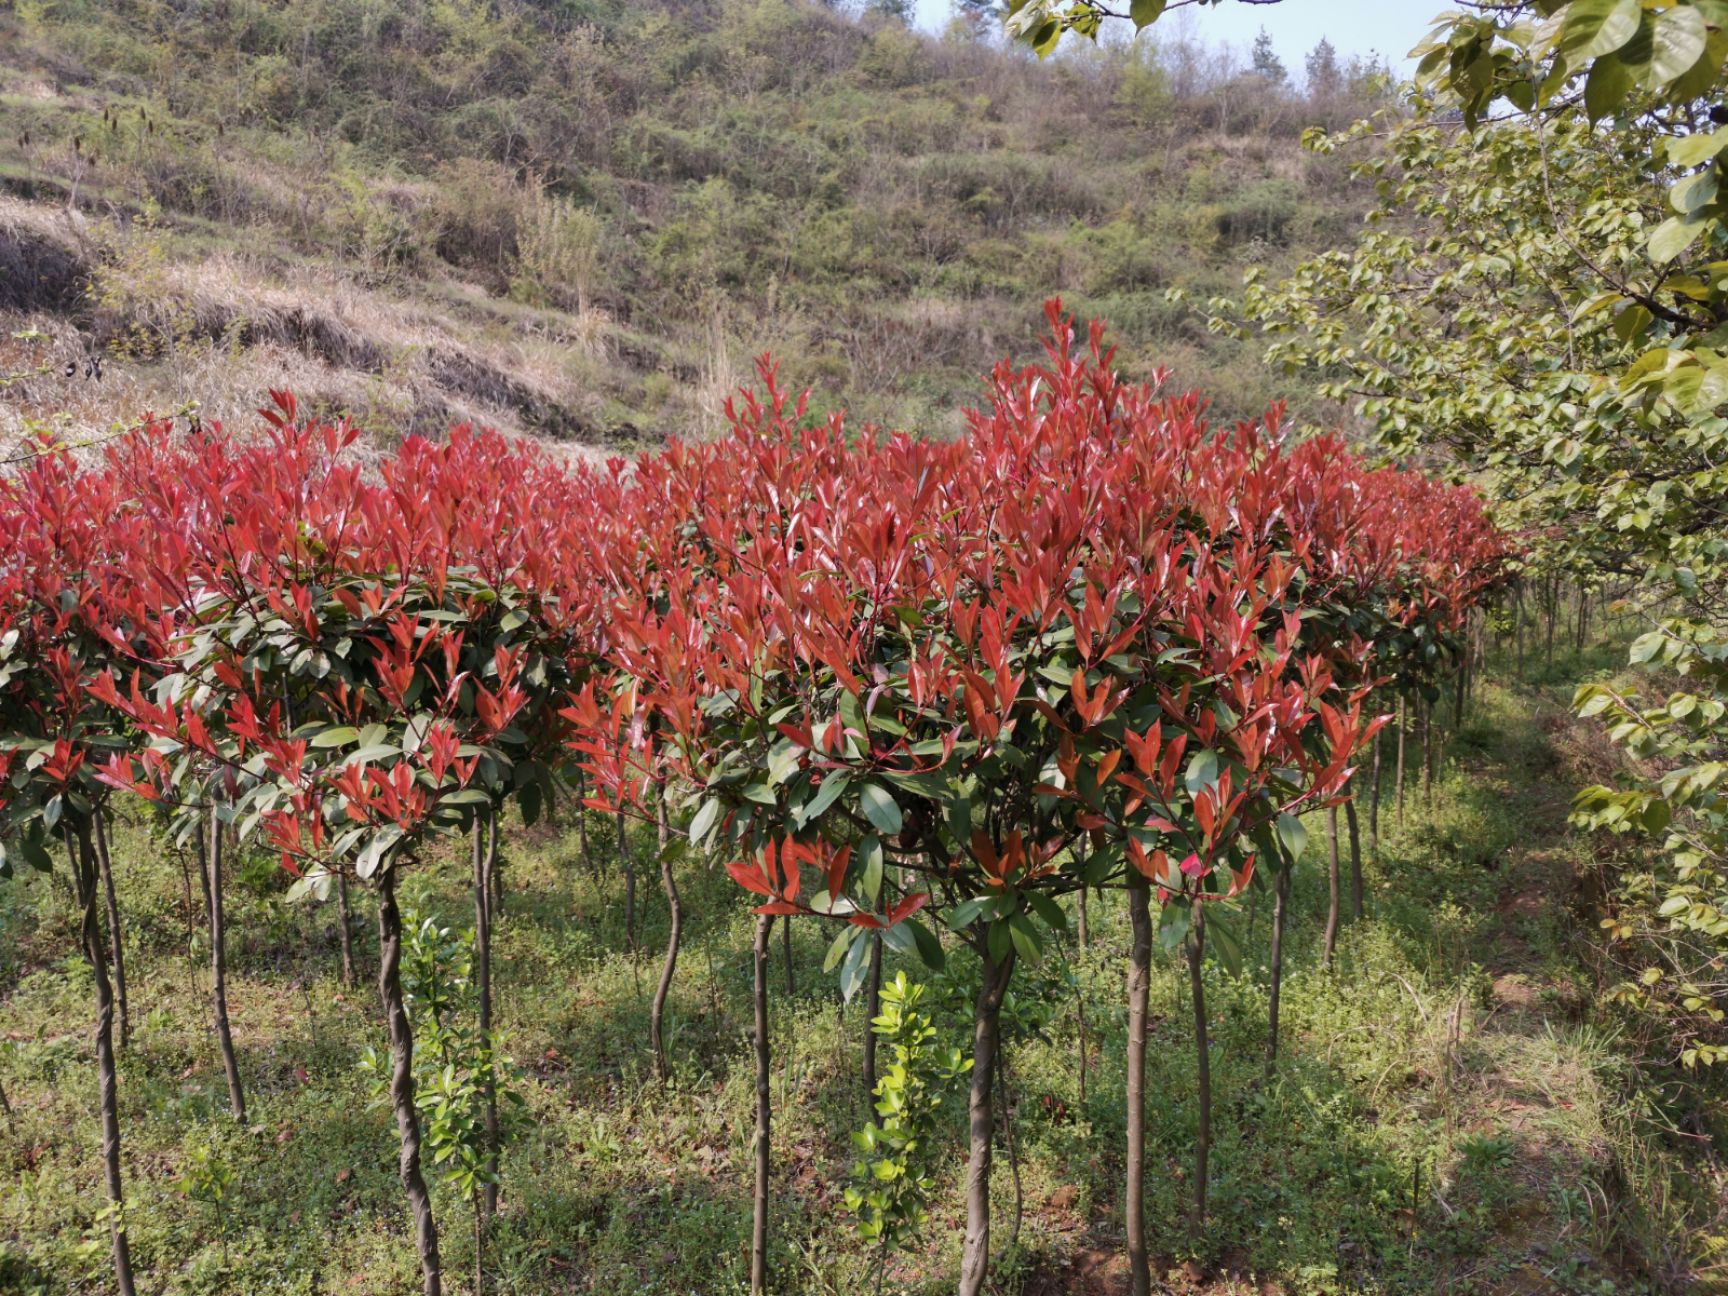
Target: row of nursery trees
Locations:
point(916, 691)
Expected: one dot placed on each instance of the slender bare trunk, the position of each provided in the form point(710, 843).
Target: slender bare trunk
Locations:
point(629, 868)
point(84, 883)
point(402, 1083)
point(1280, 910)
point(116, 947)
point(872, 1010)
point(986, 1039)
point(219, 967)
point(1330, 940)
point(1081, 1031)
point(345, 918)
point(764, 1113)
point(484, 848)
point(1139, 987)
point(582, 817)
point(1355, 858)
point(657, 1010)
point(1398, 778)
point(1552, 611)
point(1374, 807)
point(1429, 747)
point(494, 870)
point(479, 1249)
point(1518, 627)
point(1203, 1066)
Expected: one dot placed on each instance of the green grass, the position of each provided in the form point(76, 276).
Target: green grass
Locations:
point(1448, 1114)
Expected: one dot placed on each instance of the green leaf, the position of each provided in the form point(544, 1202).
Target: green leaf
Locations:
point(1593, 28)
point(870, 857)
point(963, 914)
point(707, 815)
point(880, 809)
point(1202, 770)
point(1226, 946)
point(1293, 835)
point(1646, 647)
point(1690, 150)
point(1024, 933)
point(841, 943)
point(826, 795)
point(1607, 86)
point(336, 736)
point(930, 951)
point(853, 968)
point(1048, 911)
point(1673, 236)
point(1143, 13)
point(1694, 192)
point(1678, 43)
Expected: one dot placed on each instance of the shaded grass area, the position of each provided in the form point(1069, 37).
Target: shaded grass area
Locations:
point(1448, 1114)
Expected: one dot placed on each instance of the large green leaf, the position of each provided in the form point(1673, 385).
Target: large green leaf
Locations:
point(1592, 28)
point(1673, 236)
point(1677, 43)
point(880, 809)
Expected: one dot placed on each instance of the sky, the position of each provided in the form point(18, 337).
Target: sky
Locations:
point(1386, 27)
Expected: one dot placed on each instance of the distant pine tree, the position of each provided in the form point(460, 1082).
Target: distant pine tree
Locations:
point(1324, 76)
point(1266, 61)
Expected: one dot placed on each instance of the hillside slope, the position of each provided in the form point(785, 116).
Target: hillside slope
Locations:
point(584, 222)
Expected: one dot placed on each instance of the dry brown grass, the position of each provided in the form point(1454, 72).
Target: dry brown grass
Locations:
point(215, 332)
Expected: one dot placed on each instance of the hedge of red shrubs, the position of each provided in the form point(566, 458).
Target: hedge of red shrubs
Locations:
point(1091, 642)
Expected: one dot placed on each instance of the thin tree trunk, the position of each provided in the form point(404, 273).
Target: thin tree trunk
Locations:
point(479, 1249)
point(1080, 1022)
point(986, 1039)
point(1518, 627)
point(85, 882)
point(485, 842)
point(1552, 610)
point(1398, 780)
point(402, 1083)
point(494, 870)
point(1355, 858)
point(1203, 1068)
point(657, 1010)
point(1374, 806)
point(1429, 746)
point(1280, 910)
point(1139, 987)
point(1330, 940)
point(346, 919)
point(764, 1112)
point(629, 885)
point(219, 968)
point(582, 818)
point(872, 1010)
point(116, 947)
